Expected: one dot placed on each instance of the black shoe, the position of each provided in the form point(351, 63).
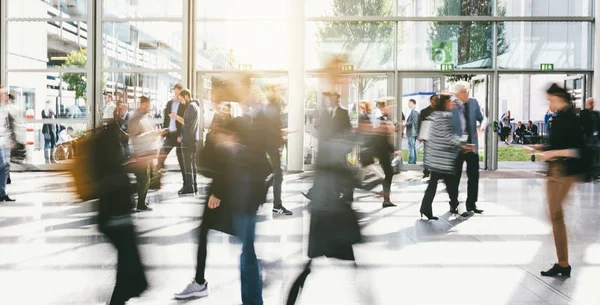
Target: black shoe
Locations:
point(144, 209)
point(475, 211)
point(6, 198)
point(306, 195)
point(387, 204)
point(429, 217)
point(8, 181)
point(186, 191)
point(556, 270)
point(453, 210)
point(282, 211)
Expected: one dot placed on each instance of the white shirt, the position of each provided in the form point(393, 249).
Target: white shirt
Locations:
point(375, 117)
point(64, 137)
point(109, 111)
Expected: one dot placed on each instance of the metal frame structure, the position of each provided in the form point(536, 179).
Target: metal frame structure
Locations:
point(191, 76)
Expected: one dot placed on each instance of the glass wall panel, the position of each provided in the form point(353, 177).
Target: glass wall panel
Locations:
point(258, 9)
point(528, 44)
point(319, 8)
point(41, 45)
point(369, 45)
point(62, 94)
point(150, 45)
point(428, 45)
point(142, 8)
point(260, 45)
point(427, 8)
point(47, 8)
point(131, 86)
point(545, 7)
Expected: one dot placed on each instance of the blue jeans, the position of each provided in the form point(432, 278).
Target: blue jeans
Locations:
point(4, 169)
point(412, 150)
point(245, 229)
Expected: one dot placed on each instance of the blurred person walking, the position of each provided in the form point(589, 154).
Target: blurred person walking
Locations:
point(590, 122)
point(114, 209)
point(334, 124)
point(242, 144)
point(506, 127)
point(425, 113)
point(143, 147)
point(563, 156)
point(412, 131)
point(6, 143)
point(189, 138)
point(465, 117)
point(274, 112)
point(172, 134)
point(441, 148)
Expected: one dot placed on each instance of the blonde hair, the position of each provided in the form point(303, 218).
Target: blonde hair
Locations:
point(178, 86)
point(366, 106)
point(144, 99)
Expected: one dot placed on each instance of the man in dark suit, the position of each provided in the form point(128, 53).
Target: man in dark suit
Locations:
point(334, 124)
point(172, 135)
point(412, 131)
point(532, 129)
point(465, 117)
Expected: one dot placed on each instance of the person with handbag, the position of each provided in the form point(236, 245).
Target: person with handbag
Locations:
point(441, 147)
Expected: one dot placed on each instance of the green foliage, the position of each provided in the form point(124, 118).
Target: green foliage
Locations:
point(512, 153)
point(76, 81)
point(375, 40)
point(474, 39)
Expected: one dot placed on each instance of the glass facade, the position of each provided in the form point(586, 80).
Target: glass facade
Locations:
point(57, 55)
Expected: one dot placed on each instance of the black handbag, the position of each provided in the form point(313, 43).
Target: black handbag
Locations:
point(18, 153)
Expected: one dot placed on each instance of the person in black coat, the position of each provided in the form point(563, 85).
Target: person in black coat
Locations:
point(334, 124)
point(114, 209)
point(50, 132)
point(172, 135)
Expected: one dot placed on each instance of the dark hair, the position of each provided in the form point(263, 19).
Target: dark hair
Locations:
point(412, 101)
point(440, 104)
point(560, 92)
point(70, 128)
point(11, 97)
point(433, 97)
point(530, 122)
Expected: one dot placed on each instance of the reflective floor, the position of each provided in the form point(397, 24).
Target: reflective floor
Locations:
point(51, 252)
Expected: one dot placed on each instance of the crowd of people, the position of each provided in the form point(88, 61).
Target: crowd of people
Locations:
point(242, 156)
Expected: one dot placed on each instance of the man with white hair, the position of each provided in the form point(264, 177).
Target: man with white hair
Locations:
point(465, 117)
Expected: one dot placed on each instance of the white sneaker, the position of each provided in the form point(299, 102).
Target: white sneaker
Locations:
point(193, 290)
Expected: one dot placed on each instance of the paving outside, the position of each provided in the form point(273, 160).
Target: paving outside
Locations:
point(52, 253)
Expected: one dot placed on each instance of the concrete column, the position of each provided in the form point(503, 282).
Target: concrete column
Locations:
point(296, 86)
point(596, 50)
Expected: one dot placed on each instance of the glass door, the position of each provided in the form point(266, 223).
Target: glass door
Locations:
point(417, 89)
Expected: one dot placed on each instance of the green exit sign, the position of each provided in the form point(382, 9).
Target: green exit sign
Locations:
point(547, 67)
point(447, 67)
point(347, 68)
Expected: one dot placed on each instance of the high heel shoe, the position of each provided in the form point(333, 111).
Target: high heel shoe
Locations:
point(429, 217)
point(556, 270)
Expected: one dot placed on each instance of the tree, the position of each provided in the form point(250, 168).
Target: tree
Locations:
point(374, 41)
point(474, 39)
point(76, 81)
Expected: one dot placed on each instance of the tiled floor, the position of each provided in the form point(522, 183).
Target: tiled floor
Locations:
point(51, 252)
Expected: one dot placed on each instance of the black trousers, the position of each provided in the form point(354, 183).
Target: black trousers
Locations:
point(277, 179)
point(201, 256)
point(131, 280)
point(386, 165)
point(472, 160)
point(169, 143)
point(504, 133)
point(451, 182)
point(189, 166)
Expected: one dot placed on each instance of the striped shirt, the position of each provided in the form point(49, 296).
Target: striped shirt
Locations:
point(443, 144)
